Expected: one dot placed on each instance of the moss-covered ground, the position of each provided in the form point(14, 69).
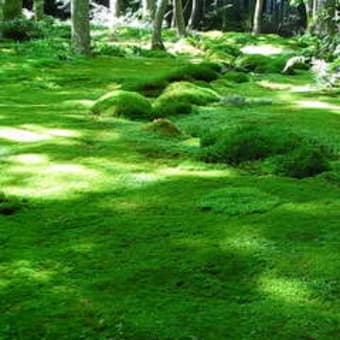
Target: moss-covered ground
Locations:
point(122, 233)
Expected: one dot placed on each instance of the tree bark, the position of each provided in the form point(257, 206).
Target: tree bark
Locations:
point(193, 14)
point(80, 26)
point(180, 24)
point(148, 9)
point(12, 9)
point(115, 8)
point(2, 2)
point(38, 9)
point(156, 40)
point(258, 16)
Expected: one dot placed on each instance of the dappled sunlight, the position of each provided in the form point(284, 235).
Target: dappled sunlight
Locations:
point(21, 135)
point(41, 178)
point(288, 290)
point(246, 243)
point(31, 133)
point(179, 171)
point(316, 104)
point(262, 49)
point(283, 86)
point(25, 270)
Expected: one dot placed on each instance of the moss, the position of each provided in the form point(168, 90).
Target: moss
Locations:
point(190, 93)
point(123, 104)
point(236, 77)
point(164, 127)
point(247, 143)
point(238, 201)
point(164, 107)
point(203, 71)
point(148, 88)
point(261, 63)
point(8, 206)
point(305, 161)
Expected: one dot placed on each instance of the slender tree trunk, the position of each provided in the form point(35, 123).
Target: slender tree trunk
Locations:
point(156, 42)
point(38, 9)
point(12, 9)
point(258, 17)
point(115, 8)
point(2, 2)
point(148, 9)
point(180, 24)
point(193, 14)
point(80, 26)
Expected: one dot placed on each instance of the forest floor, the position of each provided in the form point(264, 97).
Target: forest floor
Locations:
point(110, 241)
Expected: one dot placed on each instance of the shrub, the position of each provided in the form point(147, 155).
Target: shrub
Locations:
point(261, 64)
point(123, 104)
point(21, 29)
point(305, 161)
point(109, 50)
point(194, 72)
point(247, 143)
point(236, 77)
point(189, 93)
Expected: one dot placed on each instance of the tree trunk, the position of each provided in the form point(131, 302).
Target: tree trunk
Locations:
point(38, 9)
point(156, 42)
point(12, 9)
point(80, 26)
point(148, 9)
point(115, 8)
point(180, 24)
point(193, 13)
point(258, 17)
point(2, 2)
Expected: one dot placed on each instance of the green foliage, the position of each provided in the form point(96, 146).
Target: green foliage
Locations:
point(261, 64)
point(236, 77)
point(191, 72)
point(21, 29)
point(121, 103)
point(235, 201)
point(304, 161)
point(109, 50)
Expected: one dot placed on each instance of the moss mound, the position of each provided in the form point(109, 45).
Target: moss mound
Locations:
point(123, 104)
point(247, 143)
point(204, 71)
point(164, 127)
point(305, 161)
point(179, 97)
point(190, 93)
point(238, 201)
point(164, 107)
point(284, 152)
point(236, 77)
point(148, 88)
point(261, 64)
